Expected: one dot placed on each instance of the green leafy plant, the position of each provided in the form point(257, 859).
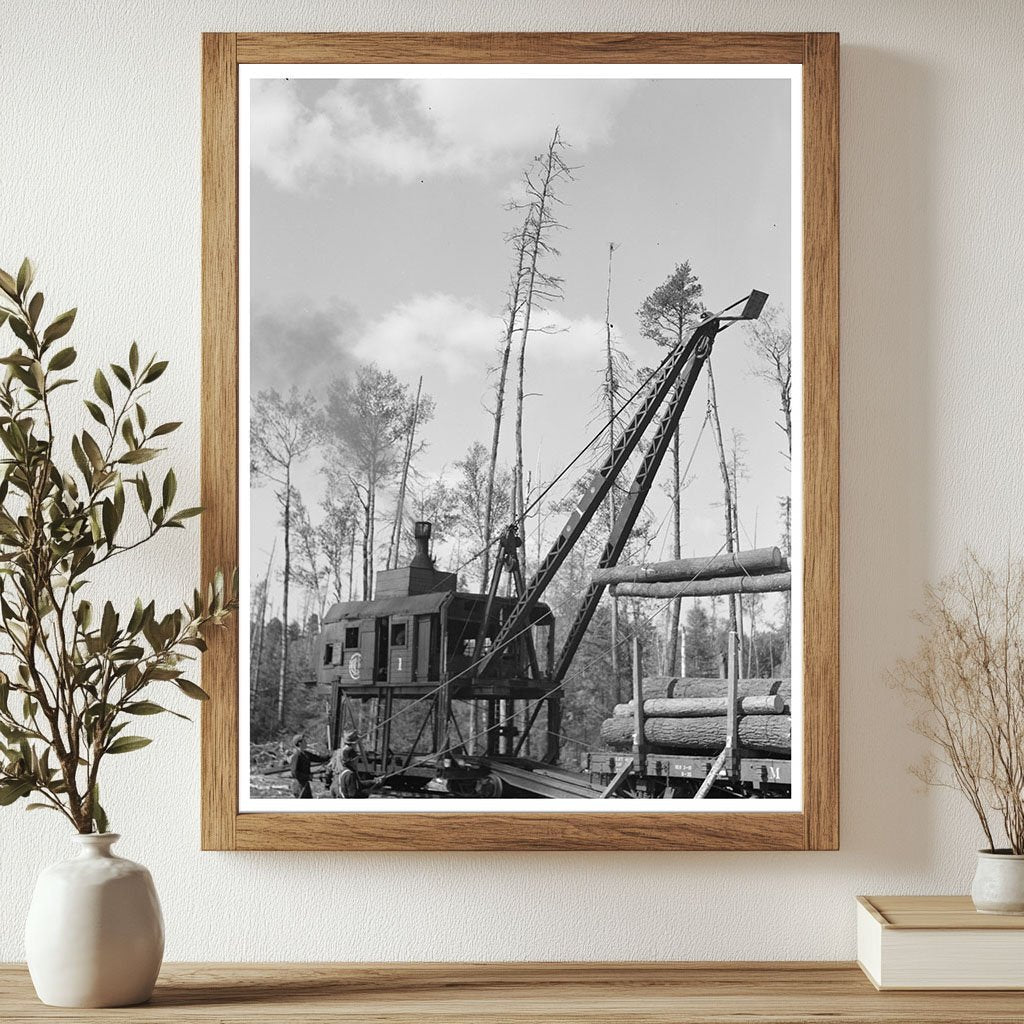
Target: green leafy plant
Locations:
point(81, 672)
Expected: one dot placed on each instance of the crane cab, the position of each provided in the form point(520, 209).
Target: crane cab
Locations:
point(419, 644)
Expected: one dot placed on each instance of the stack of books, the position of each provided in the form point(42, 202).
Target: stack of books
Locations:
point(938, 942)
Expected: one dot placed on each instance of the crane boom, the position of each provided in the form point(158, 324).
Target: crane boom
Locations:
point(632, 506)
point(677, 376)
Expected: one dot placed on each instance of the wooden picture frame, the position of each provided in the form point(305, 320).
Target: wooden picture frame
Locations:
point(816, 827)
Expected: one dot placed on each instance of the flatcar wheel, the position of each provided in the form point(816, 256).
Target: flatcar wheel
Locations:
point(489, 788)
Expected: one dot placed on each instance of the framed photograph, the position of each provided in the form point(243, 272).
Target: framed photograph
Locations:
point(520, 420)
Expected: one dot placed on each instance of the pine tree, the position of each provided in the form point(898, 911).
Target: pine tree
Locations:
point(666, 317)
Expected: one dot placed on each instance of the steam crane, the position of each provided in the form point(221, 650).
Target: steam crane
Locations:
point(677, 376)
point(484, 648)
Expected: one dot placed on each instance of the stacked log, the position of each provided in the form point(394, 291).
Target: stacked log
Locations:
point(756, 562)
point(703, 707)
point(673, 686)
point(769, 734)
point(775, 583)
point(690, 715)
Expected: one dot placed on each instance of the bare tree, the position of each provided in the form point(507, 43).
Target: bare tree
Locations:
point(396, 530)
point(256, 631)
point(335, 536)
point(770, 338)
point(434, 500)
point(616, 369)
point(666, 317)
point(481, 489)
point(284, 431)
point(541, 181)
point(737, 472)
point(512, 309)
point(368, 418)
point(311, 570)
point(727, 501)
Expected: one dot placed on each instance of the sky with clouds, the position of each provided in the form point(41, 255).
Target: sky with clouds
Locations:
point(377, 233)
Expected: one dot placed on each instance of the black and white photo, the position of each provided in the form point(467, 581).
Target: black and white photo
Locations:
point(521, 445)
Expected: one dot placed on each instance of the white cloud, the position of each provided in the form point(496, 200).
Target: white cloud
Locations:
point(478, 121)
point(439, 330)
point(416, 128)
point(443, 332)
point(287, 140)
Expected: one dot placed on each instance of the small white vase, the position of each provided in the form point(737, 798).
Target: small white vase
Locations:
point(999, 883)
point(95, 934)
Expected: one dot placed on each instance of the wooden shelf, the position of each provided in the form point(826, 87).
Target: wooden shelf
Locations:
point(617, 993)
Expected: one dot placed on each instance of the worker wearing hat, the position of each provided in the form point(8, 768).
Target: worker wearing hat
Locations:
point(345, 779)
point(302, 767)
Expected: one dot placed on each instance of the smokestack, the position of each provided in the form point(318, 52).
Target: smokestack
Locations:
point(422, 559)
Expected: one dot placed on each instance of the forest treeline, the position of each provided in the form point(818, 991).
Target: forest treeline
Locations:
point(367, 434)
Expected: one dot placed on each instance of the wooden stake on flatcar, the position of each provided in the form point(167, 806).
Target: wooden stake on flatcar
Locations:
point(639, 740)
point(732, 706)
point(732, 724)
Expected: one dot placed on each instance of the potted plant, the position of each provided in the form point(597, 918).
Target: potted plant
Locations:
point(966, 681)
point(82, 672)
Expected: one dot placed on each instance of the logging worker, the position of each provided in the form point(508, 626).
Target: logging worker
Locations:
point(345, 780)
point(301, 765)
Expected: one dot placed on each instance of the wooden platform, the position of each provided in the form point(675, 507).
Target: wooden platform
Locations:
point(615, 993)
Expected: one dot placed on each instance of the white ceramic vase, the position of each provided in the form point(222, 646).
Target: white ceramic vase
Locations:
point(999, 883)
point(95, 934)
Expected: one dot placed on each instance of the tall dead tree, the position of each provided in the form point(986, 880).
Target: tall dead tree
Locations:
point(540, 184)
point(284, 431)
point(612, 391)
point(512, 310)
point(737, 471)
point(610, 388)
point(666, 317)
point(727, 490)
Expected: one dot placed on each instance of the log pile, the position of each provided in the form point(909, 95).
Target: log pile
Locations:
point(775, 583)
point(757, 562)
point(758, 571)
point(703, 707)
point(689, 715)
point(674, 686)
point(769, 734)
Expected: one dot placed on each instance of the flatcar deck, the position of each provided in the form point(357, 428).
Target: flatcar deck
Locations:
point(753, 770)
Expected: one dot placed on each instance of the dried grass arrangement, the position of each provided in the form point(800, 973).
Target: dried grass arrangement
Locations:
point(966, 683)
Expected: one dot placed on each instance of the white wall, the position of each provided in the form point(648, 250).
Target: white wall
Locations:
point(99, 181)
